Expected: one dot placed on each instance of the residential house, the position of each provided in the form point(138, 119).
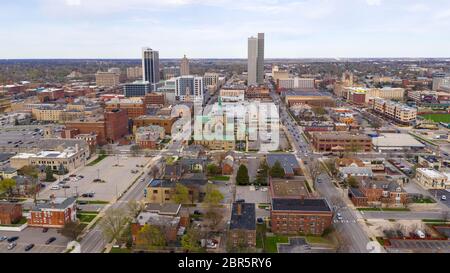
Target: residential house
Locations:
point(242, 231)
point(10, 213)
point(288, 162)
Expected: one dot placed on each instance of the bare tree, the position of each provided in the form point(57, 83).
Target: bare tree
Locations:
point(315, 170)
point(113, 223)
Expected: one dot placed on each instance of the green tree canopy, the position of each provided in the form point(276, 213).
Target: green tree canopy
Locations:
point(242, 177)
point(213, 169)
point(151, 237)
point(181, 194)
point(277, 170)
point(191, 240)
point(213, 196)
point(49, 174)
point(261, 177)
point(7, 185)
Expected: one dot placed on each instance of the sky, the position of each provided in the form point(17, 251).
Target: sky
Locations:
point(220, 28)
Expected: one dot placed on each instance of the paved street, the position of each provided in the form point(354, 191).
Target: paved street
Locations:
point(403, 215)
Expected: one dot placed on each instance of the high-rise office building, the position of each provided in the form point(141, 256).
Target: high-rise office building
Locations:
point(150, 65)
point(136, 89)
point(184, 66)
point(255, 65)
point(189, 87)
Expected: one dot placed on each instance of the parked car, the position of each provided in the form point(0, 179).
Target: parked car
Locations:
point(12, 239)
point(12, 245)
point(29, 247)
point(339, 216)
point(50, 240)
point(240, 201)
point(73, 175)
point(443, 197)
point(2, 238)
point(44, 230)
point(197, 212)
point(420, 234)
point(55, 187)
point(66, 187)
point(260, 220)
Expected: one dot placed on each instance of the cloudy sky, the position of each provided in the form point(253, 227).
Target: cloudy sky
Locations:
point(219, 28)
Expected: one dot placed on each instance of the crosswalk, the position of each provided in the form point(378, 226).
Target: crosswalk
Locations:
point(344, 221)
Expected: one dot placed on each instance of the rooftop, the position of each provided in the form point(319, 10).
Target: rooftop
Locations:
point(306, 205)
point(163, 209)
point(396, 140)
point(288, 188)
point(243, 216)
point(288, 161)
point(155, 219)
point(58, 203)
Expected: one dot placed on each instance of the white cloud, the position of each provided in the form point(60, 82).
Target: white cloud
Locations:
point(418, 7)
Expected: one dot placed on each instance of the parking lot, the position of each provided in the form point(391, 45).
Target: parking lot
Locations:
point(34, 236)
point(421, 245)
point(114, 171)
point(250, 195)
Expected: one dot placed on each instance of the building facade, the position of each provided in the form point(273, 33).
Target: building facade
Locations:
point(255, 62)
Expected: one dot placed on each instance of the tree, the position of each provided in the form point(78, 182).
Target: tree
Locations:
point(242, 177)
point(191, 240)
point(135, 149)
point(214, 216)
point(315, 170)
point(30, 170)
point(72, 230)
point(212, 169)
point(263, 173)
point(213, 196)
point(320, 111)
point(181, 194)
point(49, 174)
point(113, 223)
point(151, 237)
point(134, 207)
point(277, 170)
point(331, 166)
point(352, 182)
point(7, 185)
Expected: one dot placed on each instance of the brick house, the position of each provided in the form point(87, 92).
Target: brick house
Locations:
point(304, 216)
point(243, 225)
point(227, 165)
point(54, 213)
point(10, 213)
point(378, 193)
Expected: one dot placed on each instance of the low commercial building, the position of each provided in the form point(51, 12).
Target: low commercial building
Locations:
point(432, 179)
point(378, 194)
point(296, 83)
point(242, 231)
point(257, 92)
point(154, 99)
point(50, 94)
point(70, 158)
point(54, 213)
point(288, 189)
point(147, 137)
point(341, 141)
point(312, 98)
point(136, 89)
point(392, 141)
point(226, 145)
point(230, 94)
point(304, 216)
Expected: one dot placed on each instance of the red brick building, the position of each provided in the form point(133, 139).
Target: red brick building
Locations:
point(378, 193)
point(109, 129)
point(54, 214)
point(51, 94)
point(305, 216)
point(154, 99)
point(243, 225)
point(10, 213)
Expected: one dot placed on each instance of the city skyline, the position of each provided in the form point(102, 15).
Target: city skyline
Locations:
point(219, 29)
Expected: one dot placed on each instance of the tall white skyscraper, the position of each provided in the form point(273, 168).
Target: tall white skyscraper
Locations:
point(184, 66)
point(150, 65)
point(255, 65)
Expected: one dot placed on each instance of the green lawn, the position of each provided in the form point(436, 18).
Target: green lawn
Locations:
point(383, 209)
point(85, 217)
point(22, 221)
point(120, 250)
point(438, 117)
point(219, 178)
point(426, 200)
point(98, 159)
point(270, 243)
point(317, 240)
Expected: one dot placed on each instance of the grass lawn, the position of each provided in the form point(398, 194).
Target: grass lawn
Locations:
point(438, 117)
point(263, 206)
point(22, 221)
point(369, 209)
point(434, 221)
point(98, 159)
point(120, 250)
point(86, 218)
point(317, 240)
point(219, 178)
point(426, 200)
point(270, 243)
point(383, 209)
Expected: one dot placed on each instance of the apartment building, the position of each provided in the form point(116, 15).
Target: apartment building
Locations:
point(54, 213)
point(134, 107)
point(232, 94)
point(304, 216)
point(396, 111)
point(107, 79)
point(161, 120)
point(296, 83)
point(242, 231)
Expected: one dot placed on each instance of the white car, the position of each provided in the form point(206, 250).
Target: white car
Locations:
point(339, 216)
point(55, 187)
point(444, 197)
